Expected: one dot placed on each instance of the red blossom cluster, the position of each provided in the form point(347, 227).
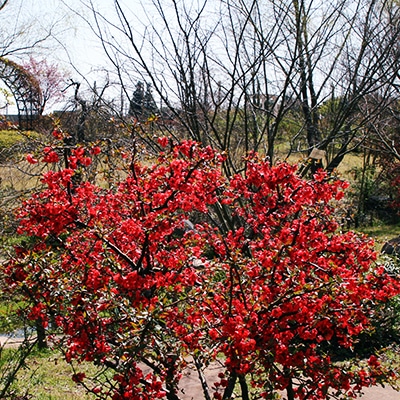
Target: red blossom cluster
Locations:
point(261, 282)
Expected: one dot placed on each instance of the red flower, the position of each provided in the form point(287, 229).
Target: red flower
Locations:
point(163, 141)
point(373, 361)
point(31, 159)
point(50, 156)
point(57, 134)
point(95, 150)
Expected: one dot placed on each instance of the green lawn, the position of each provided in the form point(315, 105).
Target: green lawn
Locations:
point(46, 376)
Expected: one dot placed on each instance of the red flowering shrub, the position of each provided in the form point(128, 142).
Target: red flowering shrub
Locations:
point(263, 280)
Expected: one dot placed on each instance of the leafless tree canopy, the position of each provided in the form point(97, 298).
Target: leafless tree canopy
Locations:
point(23, 32)
point(246, 75)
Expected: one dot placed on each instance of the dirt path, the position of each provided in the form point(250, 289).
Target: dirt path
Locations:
point(379, 393)
point(7, 341)
point(192, 390)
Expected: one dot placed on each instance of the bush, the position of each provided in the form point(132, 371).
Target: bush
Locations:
point(262, 282)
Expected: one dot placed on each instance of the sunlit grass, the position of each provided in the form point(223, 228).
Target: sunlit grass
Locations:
point(47, 376)
point(382, 231)
point(9, 318)
point(9, 138)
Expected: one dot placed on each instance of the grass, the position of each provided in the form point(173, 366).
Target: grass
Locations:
point(390, 357)
point(9, 318)
point(381, 232)
point(15, 172)
point(9, 138)
point(46, 376)
point(20, 176)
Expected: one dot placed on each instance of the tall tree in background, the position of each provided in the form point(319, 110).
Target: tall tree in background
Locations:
point(136, 103)
point(142, 104)
point(150, 105)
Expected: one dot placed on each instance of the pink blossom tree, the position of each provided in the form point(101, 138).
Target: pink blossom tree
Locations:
point(51, 81)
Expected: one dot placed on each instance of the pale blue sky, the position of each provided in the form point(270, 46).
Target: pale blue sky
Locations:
point(74, 46)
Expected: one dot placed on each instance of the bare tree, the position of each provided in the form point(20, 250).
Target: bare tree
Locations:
point(21, 33)
point(245, 76)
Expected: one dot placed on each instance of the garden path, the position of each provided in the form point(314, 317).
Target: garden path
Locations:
point(191, 387)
